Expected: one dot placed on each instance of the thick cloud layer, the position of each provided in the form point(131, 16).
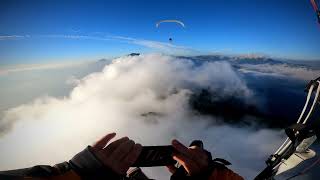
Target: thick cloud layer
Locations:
point(144, 97)
point(285, 70)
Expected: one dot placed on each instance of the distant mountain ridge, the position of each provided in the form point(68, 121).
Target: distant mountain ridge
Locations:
point(234, 59)
point(252, 60)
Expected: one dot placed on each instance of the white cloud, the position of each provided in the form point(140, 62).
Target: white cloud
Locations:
point(157, 45)
point(50, 130)
point(165, 47)
point(12, 37)
point(284, 70)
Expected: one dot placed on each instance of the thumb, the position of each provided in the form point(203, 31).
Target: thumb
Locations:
point(103, 141)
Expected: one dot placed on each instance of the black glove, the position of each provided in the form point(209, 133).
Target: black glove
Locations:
point(88, 166)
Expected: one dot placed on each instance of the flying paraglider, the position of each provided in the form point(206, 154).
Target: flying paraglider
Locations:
point(180, 23)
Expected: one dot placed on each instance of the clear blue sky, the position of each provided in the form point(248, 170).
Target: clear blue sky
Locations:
point(284, 28)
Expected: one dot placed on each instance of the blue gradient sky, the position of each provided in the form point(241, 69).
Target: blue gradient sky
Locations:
point(282, 28)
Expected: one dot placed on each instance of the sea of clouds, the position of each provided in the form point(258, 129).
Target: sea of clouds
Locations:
point(143, 97)
point(282, 70)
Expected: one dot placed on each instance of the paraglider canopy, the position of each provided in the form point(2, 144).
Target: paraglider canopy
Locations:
point(170, 21)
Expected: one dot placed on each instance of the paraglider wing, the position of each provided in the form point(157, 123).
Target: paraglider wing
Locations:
point(314, 5)
point(316, 9)
point(170, 21)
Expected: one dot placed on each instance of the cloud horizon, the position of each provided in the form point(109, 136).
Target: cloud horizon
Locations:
point(141, 97)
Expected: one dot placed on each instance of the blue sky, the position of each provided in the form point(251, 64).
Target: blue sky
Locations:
point(47, 31)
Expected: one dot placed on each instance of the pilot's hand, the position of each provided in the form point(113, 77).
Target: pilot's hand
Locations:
point(118, 155)
point(193, 159)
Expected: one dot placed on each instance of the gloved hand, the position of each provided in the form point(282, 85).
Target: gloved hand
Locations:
point(193, 159)
point(197, 164)
point(106, 161)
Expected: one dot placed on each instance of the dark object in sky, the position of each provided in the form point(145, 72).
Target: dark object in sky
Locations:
point(150, 114)
point(102, 60)
point(134, 54)
point(170, 39)
point(316, 9)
